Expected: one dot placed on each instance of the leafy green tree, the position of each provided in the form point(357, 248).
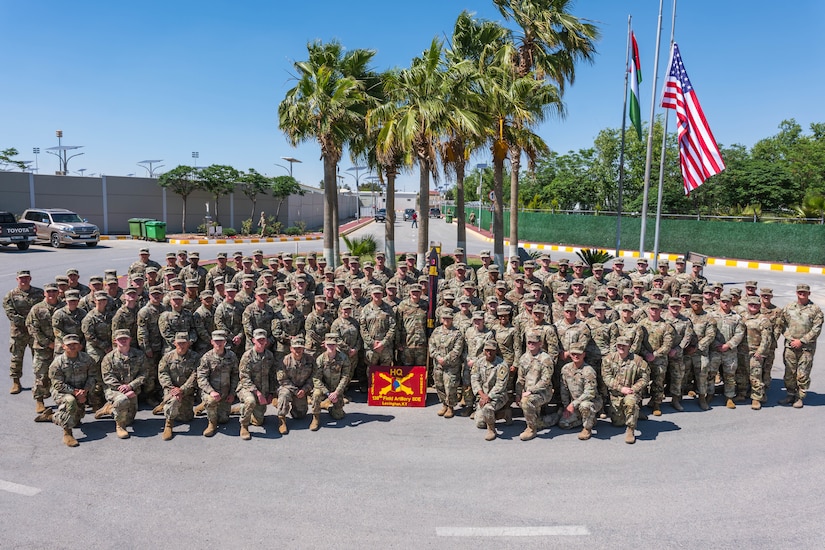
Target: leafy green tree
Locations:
point(282, 187)
point(252, 183)
point(7, 157)
point(182, 181)
point(219, 180)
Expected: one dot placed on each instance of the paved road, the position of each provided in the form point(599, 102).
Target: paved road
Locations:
point(407, 478)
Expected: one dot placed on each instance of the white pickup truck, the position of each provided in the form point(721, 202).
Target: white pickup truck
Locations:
point(21, 234)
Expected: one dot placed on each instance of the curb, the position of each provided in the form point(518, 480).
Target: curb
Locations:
point(245, 241)
point(724, 262)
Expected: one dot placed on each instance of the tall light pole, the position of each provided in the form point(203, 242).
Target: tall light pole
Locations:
point(36, 152)
point(61, 152)
point(151, 169)
point(290, 160)
point(480, 168)
point(357, 177)
point(196, 155)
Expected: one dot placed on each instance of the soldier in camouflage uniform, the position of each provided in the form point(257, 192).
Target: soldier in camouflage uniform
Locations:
point(349, 335)
point(72, 374)
point(534, 386)
point(17, 303)
point(329, 380)
point(177, 376)
point(229, 319)
point(758, 335)
point(475, 337)
point(729, 333)
point(123, 370)
point(67, 320)
point(801, 323)
point(774, 315)
point(618, 276)
point(203, 319)
point(628, 327)
point(221, 269)
point(143, 262)
point(257, 382)
point(697, 355)
point(217, 378)
point(191, 296)
point(258, 315)
point(579, 394)
point(316, 326)
point(411, 329)
point(126, 315)
point(378, 328)
point(595, 281)
point(39, 325)
point(97, 331)
point(287, 324)
point(489, 385)
point(295, 384)
point(626, 376)
point(658, 339)
point(446, 348)
point(176, 320)
point(697, 281)
point(683, 336)
point(193, 271)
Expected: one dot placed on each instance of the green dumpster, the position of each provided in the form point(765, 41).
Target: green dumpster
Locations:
point(449, 217)
point(155, 230)
point(136, 228)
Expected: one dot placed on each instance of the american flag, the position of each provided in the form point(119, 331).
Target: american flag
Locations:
point(698, 152)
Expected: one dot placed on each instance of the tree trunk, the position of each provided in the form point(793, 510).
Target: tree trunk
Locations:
point(461, 234)
point(336, 241)
point(329, 208)
point(515, 165)
point(498, 213)
point(254, 207)
point(389, 231)
point(217, 217)
point(424, 213)
point(183, 221)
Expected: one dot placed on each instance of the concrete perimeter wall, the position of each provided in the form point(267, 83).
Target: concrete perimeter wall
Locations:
point(110, 201)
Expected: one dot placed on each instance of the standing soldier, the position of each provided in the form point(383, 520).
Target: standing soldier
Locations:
point(774, 315)
point(697, 281)
point(294, 375)
point(475, 337)
point(658, 338)
point(446, 348)
point(411, 329)
point(67, 320)
point(221, 269)
point(257, 382)
point(143, 262)
point(378, 327)
point(39, 325)
point(729, 333)
point(17, 303)
point(698, 353)
point(229, 319)
point(534, 386)
point(149, 339)
point(330, 380)
point(316, 327)
point(626, 376)
point(217, 379)
point(349, 334)
point(177, 319)
point(758, 336)
point(683, 337)
point(97, 330)
point(73, 377)
point(194, 271)
point(287, 324)
point(176, 375)
point(579, 394)
point(204, 320)
point(801, 326)
point(124, 371)
point(258, 315)
point(126, 315)
point(618, 276)
point(489, 385)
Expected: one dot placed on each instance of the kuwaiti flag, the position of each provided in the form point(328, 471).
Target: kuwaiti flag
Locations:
point(635, 79)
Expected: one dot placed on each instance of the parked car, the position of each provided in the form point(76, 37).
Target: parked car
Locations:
point(435, 212)
point(381, 215)
point(58, 227)
point(21, 234)
point(408, 214)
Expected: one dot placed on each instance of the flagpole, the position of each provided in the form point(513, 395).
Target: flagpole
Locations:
point(649, 155)
point(621, 153)
point(664, 150)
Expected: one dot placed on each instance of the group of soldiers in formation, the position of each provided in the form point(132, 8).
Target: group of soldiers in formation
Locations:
point(294, 333)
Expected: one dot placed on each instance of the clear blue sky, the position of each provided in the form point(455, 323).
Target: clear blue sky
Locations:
point(160, 79)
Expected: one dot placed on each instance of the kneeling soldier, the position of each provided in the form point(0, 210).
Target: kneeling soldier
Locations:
point(294, 384)
point(257, 382)
point(626, 375)
point(73, 377)
point(579, 395)
point(218, 379)
point(489, 380)
point(330, 380)
point(176, 373)
point(124, 371)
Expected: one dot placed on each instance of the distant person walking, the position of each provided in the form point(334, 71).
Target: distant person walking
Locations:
point(414, 220)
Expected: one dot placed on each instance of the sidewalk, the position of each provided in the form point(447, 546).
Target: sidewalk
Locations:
point(725, 262)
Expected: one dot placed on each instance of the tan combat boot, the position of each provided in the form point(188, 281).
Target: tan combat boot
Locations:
point(39, 407)
point(282, 429)
point(245, 435)
point(45, 416)
point(121, 431)
point(657, 409)
point(491, 432)
point(629, 436)
point(676, 402)
point(167, 431)
point(210, 430)
point(68, 438)
point(326, 404)
point(730, 404)
point(158, 411)
point(798, 403)
point(316, 423)
point(449, 413)
point(528, 433)
point(200, 409)
point(756, 404)
point(585, 434)
point(105, 410)
point(442, 410)
point(15, 386)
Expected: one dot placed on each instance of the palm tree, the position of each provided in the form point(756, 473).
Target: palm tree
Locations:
point(328, 104)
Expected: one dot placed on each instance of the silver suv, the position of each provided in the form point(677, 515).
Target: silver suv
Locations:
point(59, 226)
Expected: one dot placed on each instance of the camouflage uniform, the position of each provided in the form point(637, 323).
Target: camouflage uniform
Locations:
point(658, 338)
point(535, 374)
point(474, 339)
point(698, 356)
point(803, 323)
point(447, 344)
point(17, 304)
point(171, 322)
point(683, 336)
point(349, 334)
point(378, 323)
point(204, 320)
point(150, 341)
point(294, 375)
point(179, 371)
point(217, 373)
point(118, 369)
point(411, 332)
point(579, 387)
point(66, 376)
point(97, 330)
point(256, 372)
point(316, 327)
point(758, 335)
point(632, 372)
point(330, 375)
point(229, 318)
point(730, 331)
point(286, 326)
point(65, 321)
point(126, 318)
point(491, 378)
point(39, 325)
point(257, 317)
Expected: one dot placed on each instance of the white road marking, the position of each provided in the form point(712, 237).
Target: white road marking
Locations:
point(24, 490)
point(545, 531)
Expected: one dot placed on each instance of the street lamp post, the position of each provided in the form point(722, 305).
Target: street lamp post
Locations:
point(480, 167)
point(357, 177)
point(61, 152)
point(151, 169)
point(36, 152)
point(196, 155)
point(290, 160)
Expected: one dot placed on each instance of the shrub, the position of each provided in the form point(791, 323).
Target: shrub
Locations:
point(246, 226)
point(592, 256)
point(361, 246)
point(229, 232)
point(293, 230)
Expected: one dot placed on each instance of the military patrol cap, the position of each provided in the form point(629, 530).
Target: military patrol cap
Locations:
point(100, 295)
point(484, 254)
point(612, 285)
point(290, 297)
point(478, 315)
point(237, 254)
point(231, 287)
point(355, 260)
point(657, 292)
point(625, 307)
point(331, 338)
point(181, 337)
point(259, 333)
point(72, 295)
point(95, 279)
point(392, 284)
point(415, 288)
point(641, 261)
point(194, 254)
point(578, 349)
point(247, 260)
point(658, 278)
point(708, 290)
point(320, 300)
point(494, 268)
point(410, 257)
point(248, 278)
point(655, 304)
point(137, 276)
point(461, 265)
point(618, 261)
point(491, 345)
point(529, 299)
point(157, 289)
point(623, 341)
point(221, 255)
point(563, 289)
point(206, 294)
point(379, 255)
point(182, 252)
point(736, 292)
point(674, 302)
point(584, 300)
point(601, 293)
point(322, 260)
point(568, 307)
point(544, 257)
point(176, 295)
point(71, 339)
point(191, 283)
point(766, 292)
point(446, 314)
point(376, 289)
point(340, 282)
point(533, 336)
point(577, 282)
point(599, 305)
point(724, 297)
point(72, 271)
point(638, 284)
point(347, 304)
point(564, 261)
point(504, 310)
point(130, 290)
point(219, 335)
point(529, 264)
point(515, 259)
point(174, 281)
point(266, 273)
point(699, 262)
point(297, 342)
point(664, 263)
point(597, 267)
point(301, 277)
point(577, 263)
point(468, 284)
point(355, 285)
point(273, 261)
point(458, 250)
point(369, 265)
point(540, 308)
point(536, 286)
point(491, 300)
point(803, 288)
point(170, 254)
point(329, 271)
point(151, 269)
point(463, 301)
point(61, 279)
point(261, 290)
point(750, 284)
point(312, 255)
point(122, 333)
point(449, 295)
point(696, 298)
point(627, 293)
point(752, 301)
point(519, 278)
